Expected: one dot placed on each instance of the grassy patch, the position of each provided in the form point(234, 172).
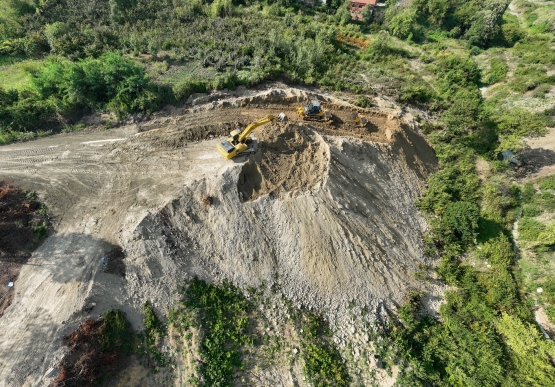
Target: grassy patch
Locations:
point(151, 339)
point(16, 75)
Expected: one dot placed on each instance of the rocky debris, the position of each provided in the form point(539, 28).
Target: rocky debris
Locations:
point(332, 218)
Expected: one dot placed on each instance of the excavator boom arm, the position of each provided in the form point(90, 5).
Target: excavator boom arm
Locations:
point(245, 133)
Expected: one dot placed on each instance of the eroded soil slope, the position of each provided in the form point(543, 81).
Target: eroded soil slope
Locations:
point(291, 158)
point(330, 218)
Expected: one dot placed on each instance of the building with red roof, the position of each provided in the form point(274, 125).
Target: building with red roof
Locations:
point(358, 5)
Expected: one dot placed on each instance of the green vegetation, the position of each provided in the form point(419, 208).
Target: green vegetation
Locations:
point(150, 340)
point(41, 232)
point(115, 332)
point(323, 363)
point(221, 313)
point(223, 329)
point(497, 72)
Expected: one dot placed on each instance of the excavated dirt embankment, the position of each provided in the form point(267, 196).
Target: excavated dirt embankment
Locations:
point(329, 218)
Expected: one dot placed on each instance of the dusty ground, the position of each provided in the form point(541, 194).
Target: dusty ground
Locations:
point(331, 220)
point(539, 159)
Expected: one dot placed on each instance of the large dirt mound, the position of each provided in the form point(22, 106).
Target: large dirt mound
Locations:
point(291, 158)
point(349, 232)
point(332, 219)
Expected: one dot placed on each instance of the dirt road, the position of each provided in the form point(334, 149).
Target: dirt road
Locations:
point(343, 229)
point(91, 190)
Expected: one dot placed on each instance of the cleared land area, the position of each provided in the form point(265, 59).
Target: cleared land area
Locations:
point(324, 209)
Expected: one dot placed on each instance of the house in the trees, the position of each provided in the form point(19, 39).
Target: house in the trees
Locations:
point(358, 5)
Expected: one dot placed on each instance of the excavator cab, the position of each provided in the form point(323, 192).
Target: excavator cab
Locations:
point(234, 135)
point(313, 108)
point(358, 119)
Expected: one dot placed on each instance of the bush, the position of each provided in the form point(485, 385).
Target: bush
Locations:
point(529, 229)
point(183, 89)
point(529, 352)
point(111, 81)
point(114, 332)
point(531, 210)
point(455, 74)
point(497, 72)
point(519, 122)
point(460, 221)
point(417, 94)
point(364, 102)
point(323, 363)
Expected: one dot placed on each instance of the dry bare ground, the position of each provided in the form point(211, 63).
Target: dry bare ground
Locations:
point(325, 210)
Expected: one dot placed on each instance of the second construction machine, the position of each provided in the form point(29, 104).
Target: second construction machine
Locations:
point(313, 111)
point(237, 142)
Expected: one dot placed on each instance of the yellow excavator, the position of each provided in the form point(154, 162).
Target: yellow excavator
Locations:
point(313, 111)
point(358, 119)
point(237, 142)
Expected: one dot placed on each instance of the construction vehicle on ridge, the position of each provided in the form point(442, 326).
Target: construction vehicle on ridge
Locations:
point(358, 119)
point(313, 111)
point(237, 142)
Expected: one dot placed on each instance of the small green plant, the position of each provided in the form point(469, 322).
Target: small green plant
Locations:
point(154, 332)
point(531, 210)
point(529, 229)
point(324, 365)
point(40, 231)
point(31, 195)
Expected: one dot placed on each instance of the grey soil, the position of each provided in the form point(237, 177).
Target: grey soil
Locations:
point(325, 210)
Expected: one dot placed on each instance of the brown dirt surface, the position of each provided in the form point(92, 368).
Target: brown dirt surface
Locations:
point(539, 159)
point(291, 158)
point(18, 215)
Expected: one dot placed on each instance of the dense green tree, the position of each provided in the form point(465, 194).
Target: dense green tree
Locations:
point(400, 21)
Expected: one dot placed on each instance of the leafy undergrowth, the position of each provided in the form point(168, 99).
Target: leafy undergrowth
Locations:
point(151, 340)
point(98, 349)
point(220, 312)
point(230, 338)
point(324, 365)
